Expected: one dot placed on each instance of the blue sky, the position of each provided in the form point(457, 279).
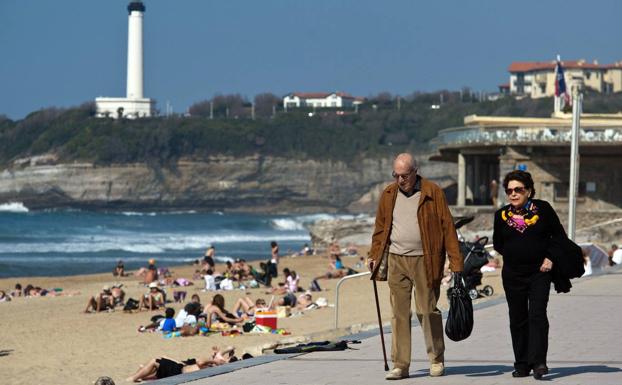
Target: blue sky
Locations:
point(63, 53)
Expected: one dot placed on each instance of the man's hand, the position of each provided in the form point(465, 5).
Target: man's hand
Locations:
point(370, 264)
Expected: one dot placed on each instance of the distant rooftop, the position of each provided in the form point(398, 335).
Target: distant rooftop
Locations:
point(522, 66)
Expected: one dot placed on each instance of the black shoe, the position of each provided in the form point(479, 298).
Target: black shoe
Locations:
point(540, 371)
point(520, 373)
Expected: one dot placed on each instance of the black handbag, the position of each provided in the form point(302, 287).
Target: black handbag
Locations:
point(459, 322)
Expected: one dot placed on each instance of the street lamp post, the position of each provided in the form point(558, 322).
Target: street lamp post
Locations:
point(577, 102)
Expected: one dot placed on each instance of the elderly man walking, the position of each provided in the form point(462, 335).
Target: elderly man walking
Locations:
point(414, 230)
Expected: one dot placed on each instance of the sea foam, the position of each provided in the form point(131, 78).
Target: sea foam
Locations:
point(13, 207)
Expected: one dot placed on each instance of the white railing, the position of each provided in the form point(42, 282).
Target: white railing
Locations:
point(342, 280)
point(510, 135)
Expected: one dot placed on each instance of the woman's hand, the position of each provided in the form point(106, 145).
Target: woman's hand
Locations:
point(547, 265)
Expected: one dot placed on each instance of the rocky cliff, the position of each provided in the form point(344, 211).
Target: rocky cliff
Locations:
point(263, 184)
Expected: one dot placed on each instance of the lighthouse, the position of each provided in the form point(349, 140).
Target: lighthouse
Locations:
point(134, 105)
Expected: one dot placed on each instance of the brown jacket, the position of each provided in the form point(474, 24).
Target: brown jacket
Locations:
point(438, 234)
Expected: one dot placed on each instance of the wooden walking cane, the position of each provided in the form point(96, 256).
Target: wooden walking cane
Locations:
point(384, 351)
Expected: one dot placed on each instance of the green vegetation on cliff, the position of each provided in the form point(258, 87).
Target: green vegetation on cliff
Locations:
point(379, 128)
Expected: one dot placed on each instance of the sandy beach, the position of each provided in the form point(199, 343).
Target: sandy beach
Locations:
point(51, 340)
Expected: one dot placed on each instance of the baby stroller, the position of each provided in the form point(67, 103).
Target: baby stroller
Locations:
point(475, 256)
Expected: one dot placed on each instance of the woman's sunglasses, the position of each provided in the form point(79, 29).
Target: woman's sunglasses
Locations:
point(518, 190)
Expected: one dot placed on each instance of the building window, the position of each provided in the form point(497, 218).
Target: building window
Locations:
point(587, 75)
point(561, 191)
point(607, 88)
point(542, 88)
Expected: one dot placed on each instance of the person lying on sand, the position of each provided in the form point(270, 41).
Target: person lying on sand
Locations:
point(164, 323)
point(4, 297)
point(338, 270)
point(17, 292)
point(305, 302)
point(164, 367)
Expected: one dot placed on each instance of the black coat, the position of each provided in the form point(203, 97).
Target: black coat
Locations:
point(567, 259)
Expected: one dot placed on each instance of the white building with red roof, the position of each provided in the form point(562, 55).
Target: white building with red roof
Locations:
point(537, 79)
point(320, 100)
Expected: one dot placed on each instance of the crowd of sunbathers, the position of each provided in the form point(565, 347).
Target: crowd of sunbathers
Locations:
point(33, 291)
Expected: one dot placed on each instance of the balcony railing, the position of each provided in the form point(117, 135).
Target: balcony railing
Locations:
point(512, 135)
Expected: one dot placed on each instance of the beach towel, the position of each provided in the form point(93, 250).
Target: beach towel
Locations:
point(322, 346)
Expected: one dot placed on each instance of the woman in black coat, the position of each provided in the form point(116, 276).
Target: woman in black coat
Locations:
point(522, 230)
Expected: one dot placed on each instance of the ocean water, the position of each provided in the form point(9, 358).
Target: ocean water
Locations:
point(69, 242)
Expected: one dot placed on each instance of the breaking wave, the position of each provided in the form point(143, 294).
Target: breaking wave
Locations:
point(13, 207)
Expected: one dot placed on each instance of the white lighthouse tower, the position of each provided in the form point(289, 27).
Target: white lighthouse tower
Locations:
point(134, 105)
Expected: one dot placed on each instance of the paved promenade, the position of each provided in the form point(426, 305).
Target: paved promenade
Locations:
point(585, 349)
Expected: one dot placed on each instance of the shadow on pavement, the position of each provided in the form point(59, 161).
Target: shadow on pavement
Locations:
point(569, 371)
point(469, 371)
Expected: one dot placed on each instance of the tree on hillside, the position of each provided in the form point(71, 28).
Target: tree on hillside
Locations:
point(264, 103)
point(201, 108)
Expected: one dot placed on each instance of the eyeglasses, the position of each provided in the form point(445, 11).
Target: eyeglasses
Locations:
point(403, 176)
point(518, 190)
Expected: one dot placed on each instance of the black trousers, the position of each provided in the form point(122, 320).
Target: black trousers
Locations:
point(527, 294)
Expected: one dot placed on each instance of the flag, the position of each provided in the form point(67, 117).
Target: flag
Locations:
point(560, 83)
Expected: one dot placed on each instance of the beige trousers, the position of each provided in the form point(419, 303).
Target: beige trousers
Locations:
point(404, 273)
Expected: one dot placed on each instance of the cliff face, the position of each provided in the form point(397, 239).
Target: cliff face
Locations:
point(263, 184)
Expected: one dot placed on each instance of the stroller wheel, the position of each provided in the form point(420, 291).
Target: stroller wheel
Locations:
point(473, 294)
point(488, 290)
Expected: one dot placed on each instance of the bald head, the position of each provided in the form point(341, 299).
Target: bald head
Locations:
point(405, 160)
point(405, 172)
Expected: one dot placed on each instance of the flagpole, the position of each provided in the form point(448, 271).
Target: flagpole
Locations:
point(556, 98)
point(577, 102)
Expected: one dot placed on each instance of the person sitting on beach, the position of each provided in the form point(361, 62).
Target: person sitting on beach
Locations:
point(292, 282)
point(306, 250)
point(241, 270)
point(210, 280)
point(228, 269)
point(104, 301)
point(245, 305)
point(118, 294)
point(188, 315)
point(226, 283)
point(149, 274)
point(119, 269)
point(195, 298)
point(289, 286)
point(153, 300)
point(216, 312)
point(17, 291)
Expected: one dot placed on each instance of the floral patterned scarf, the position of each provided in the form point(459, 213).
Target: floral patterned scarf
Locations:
point(521, 218)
